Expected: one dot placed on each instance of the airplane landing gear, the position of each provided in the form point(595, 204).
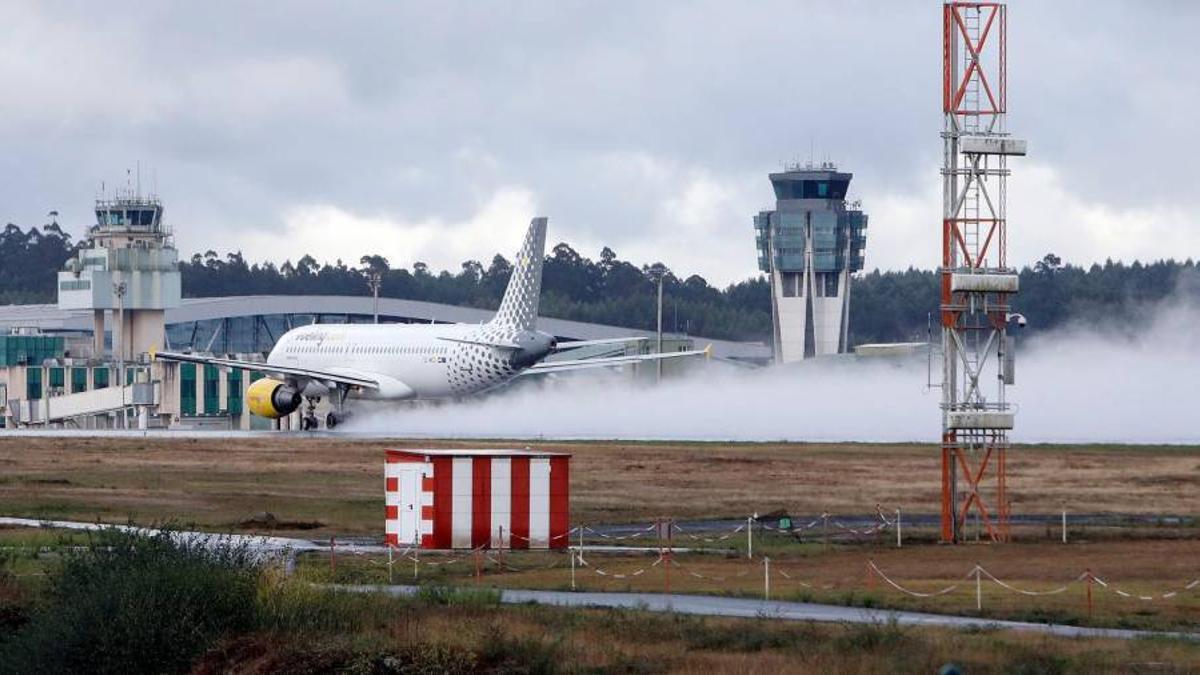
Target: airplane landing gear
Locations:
point(339, 414)
point(308, 422)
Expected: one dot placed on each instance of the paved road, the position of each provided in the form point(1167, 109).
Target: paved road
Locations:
point(260, 543)
point(795, 611)
point(810, 524)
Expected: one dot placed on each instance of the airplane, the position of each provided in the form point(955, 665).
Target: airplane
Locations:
point(405, 362)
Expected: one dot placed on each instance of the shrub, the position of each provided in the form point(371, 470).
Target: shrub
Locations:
point(501, 653)
point(461, 597)
point(285, 604)
point(873, 636)
point(130, 604)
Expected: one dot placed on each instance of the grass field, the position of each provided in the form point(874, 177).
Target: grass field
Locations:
point(335, 486)
point(321, 486)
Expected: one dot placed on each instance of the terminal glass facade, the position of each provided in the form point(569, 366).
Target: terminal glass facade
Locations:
point(187, 389)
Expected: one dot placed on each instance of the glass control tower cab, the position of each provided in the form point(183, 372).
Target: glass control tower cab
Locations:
point(809, 246)
point(128, 266)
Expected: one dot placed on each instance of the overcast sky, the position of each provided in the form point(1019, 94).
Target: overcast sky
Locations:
point(434, 131)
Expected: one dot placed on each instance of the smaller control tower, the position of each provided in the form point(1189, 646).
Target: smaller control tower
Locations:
point(809, 246)
point(128, 266)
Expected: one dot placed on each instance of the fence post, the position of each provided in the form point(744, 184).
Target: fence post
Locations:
point(978, 588)
point(500, 545)
point(572, 552)
point(898, 530)
point(825, 529)
point(1064, 525)
point(766, 578)
point(1089, 592)
point(416, 552)
point(750, 537)
point(666, 558)
point(581, 542)
point(391, 579)
point(332, 558)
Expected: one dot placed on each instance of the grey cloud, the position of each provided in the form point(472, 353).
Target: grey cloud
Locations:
point(250, 109)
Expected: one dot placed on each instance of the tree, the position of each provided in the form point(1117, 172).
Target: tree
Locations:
point(1049, 264)
point(374, 264)
point(886, 306)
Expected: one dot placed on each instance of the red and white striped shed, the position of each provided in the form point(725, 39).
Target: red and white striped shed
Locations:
point(477, 498)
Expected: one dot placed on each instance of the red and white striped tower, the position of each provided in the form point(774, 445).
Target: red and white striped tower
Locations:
point(977, 284)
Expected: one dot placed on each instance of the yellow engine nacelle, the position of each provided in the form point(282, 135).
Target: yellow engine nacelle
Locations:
point(272, 398)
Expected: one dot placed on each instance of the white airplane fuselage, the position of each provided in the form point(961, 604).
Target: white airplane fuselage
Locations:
point(411, 361)
point(399, 362)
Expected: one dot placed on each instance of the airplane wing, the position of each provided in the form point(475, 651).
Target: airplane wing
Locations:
point(326, 377)
point(591, 343)
point(581, 364)
point(482, 343)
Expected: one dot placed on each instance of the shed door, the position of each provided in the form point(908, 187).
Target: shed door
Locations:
point(409, 510)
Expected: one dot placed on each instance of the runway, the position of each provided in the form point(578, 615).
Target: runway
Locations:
point(451, 433)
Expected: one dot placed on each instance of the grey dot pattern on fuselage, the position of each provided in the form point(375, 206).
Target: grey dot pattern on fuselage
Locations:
point(474, 368)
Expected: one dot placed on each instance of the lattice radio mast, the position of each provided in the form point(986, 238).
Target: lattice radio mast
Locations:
point(977, 284)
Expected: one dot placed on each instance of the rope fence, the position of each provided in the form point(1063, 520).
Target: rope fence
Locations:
point(773, 573)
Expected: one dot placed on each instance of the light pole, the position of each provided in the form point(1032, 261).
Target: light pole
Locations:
point(119, 289)
point(658, 362)
point(375, 280)
point(658, 271)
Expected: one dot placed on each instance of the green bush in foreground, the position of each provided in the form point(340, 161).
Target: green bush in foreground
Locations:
point(132, 604)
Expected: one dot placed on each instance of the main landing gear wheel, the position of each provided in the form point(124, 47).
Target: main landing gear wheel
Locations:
point(333, 419)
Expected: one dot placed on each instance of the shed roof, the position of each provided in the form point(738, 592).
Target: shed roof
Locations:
point(475, 452)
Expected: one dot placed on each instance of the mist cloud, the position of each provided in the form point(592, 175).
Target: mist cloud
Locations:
point(1098, 384)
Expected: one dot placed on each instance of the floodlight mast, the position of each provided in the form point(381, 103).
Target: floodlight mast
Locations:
point(976, 282)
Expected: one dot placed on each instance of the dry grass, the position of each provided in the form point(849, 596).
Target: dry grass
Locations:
point(220, 482)
point(840, 575)
point(544, 639)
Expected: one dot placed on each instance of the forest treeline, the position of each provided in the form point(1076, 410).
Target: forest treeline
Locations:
point(885, 306)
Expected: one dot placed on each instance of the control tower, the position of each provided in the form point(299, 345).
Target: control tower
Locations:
point(128, 266)
point(808, 246)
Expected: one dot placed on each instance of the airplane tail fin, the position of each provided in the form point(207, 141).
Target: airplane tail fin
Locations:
point(519, 308)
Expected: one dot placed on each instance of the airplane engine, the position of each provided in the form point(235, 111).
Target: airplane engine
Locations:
point(272, 399)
